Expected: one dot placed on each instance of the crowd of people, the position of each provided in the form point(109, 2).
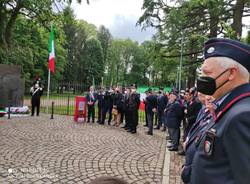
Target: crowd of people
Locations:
point(215, 115)
point(168, 111)
point(119, 103)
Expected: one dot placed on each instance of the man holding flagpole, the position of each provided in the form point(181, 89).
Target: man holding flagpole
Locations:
point(51, 61)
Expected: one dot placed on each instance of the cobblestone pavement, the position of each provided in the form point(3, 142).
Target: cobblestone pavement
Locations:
point(39, 150)
point(176, 162)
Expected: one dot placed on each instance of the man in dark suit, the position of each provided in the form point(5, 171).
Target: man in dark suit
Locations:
point(101, 105)
point(91, 100)
point(203, 119)
point(174, 116)
point(108, 105)
point(223, 150)
point(162, 101)
point(191, 112)
point(151, 101)
point(133, 107)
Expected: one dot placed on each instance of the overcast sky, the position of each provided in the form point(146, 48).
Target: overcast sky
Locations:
point(119, 16)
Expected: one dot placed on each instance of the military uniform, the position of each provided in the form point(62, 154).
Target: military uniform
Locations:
point(108, 105)
point(203, 119)
point(36, 92)
point(133, 106)
point(101, 105)
point(223, 151)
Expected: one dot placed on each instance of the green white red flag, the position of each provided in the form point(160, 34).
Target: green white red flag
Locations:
point(51, 63)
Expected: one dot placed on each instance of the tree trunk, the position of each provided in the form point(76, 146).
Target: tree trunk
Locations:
point(2, 23)
point(213, 26)
point(192, 70)
point(11, 22)
point(237, 17)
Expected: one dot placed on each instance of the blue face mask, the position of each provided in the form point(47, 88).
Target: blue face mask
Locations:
point(207, 85)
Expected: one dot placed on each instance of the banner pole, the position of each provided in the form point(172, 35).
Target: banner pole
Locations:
point(48, 92)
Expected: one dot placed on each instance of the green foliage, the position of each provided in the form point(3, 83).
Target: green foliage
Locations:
point(195, 21)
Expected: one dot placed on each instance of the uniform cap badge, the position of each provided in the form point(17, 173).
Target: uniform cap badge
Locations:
point(210, 50)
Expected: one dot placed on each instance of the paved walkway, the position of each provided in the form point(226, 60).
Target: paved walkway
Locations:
point(40, 150)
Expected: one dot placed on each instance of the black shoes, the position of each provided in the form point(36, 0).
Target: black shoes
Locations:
point(149, 133)
point(181, 152)
point(170, 146)
point(133, 132)
point(173, 149)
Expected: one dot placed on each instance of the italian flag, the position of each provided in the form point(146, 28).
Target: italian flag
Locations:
point(51, 64)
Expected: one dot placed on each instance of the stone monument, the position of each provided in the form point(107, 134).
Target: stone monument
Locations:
point(11, 86)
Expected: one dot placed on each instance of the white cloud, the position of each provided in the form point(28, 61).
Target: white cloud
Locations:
point(120, 16)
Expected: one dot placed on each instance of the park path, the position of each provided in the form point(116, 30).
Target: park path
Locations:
point(41, 150)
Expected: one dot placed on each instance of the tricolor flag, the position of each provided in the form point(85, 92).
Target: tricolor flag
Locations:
point(51, 64)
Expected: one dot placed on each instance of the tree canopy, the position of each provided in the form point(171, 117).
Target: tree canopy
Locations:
point(85, 53)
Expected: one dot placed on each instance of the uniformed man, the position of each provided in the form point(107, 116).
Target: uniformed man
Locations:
point(126, 114)
point(133, 106)
point(202, 121)
point(36, 92)
point(151, 101)
point(108, 105)
point(101, 105)
point(223, 151)
point(174, 116)
point(162, 101)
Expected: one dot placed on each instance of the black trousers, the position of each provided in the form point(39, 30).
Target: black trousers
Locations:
point(175, 136)
point(122, 116)
point(104, 112)
point(150, 122)
point(100, 113)
point(133, 119)
point(35, 103)
point(91, 112)
point(160, 115)
point(146, 117)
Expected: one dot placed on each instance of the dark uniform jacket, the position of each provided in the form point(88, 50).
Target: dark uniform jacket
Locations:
point(151, 101)
point(108, 100)
point(202, 121)
point(193, 108)
point(162, 101)
point(134, 102)
point(100, 98)
point(174, 115)
point(223, 157)
point(119, 102)
point(36, 93)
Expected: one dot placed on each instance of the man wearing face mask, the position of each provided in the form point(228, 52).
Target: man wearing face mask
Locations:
point(223, 150)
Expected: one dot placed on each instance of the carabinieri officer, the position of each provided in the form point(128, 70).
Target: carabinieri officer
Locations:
point(223, 151)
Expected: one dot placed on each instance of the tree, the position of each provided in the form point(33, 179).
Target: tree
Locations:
point(196, 21)
point(104, 37)
point(94, 66)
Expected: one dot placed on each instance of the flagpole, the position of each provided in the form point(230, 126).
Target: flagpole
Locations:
point(48, 91)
